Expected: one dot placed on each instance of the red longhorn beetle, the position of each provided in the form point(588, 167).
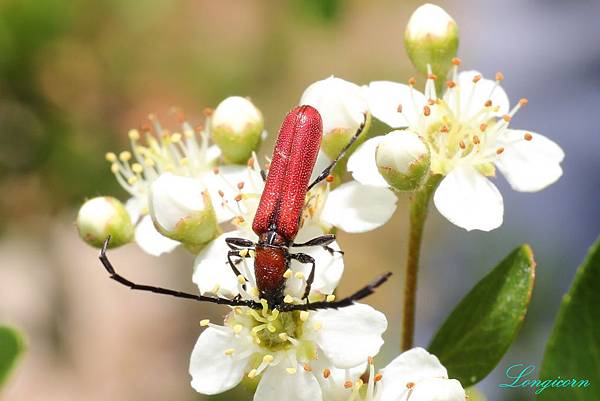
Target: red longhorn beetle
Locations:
point(277, 221)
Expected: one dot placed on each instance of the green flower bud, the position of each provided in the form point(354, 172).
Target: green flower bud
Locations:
point(403, 159)
point(236, 128)
point(342, 106)
point(101, 217)
point(182, 210)
point(431, 38)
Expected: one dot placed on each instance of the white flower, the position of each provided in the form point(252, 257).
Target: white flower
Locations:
point(186, 154)
point(285, 351)
point(468, 134)
point(415, 375)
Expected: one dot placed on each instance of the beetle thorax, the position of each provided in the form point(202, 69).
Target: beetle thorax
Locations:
point(270, 264)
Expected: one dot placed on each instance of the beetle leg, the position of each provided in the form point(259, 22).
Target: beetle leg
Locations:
point(236, 271)
point(304, 258)
point(263, 174)
point(323, 240)
point(342, 303)
point(165, 291)
point(237, 243)
point(325, 173)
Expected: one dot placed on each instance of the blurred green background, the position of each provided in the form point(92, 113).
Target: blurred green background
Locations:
point(75, 75)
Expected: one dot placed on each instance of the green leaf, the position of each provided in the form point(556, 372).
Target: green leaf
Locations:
point(11, 347)
point(573, 349)
point(480, 329)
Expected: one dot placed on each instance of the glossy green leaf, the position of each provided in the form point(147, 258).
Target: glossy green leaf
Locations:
point(480, 329)
point(573, 349)
point(11, 347)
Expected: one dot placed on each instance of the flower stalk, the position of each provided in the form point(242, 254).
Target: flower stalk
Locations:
point(419, 206)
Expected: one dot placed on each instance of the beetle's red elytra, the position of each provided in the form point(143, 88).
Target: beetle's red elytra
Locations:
point(293, 161)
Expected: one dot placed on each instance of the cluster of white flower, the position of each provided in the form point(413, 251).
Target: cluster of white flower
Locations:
point(199, 186)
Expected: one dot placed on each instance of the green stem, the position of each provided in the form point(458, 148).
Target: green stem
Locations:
point(419, 206)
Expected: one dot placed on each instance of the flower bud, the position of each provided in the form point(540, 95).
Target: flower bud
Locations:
point(431, 37)
point(237, 126)
point(101, 217)
point(182, 210)
point(343, 108)
point(403, 159)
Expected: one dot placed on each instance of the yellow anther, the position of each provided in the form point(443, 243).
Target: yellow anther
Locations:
point(149, 162)
point(204, 322)
point(188, 133)
point(229, 351)
point(271, 328)
point(252, 374)
point(251, 252)
point(132, 180)
point(330, 298)
point(243, 253)
point(237, 329)
point(291, 371)
point(299, 275)
point(111, 157)
point(288, 299)
point(184, 161)
point(304, 315)
point(241, 279)
point(176, 137)
point(287, 274)
point(115, 168)
point(134, 135)
point(137, 168)
point(326, 373)
point(317, 326)
point(254, 292)
point(268, 359)
point(125, 156)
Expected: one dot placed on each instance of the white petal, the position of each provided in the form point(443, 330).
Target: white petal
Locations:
point(357, 208)
point(411, 366)
point(329, 268)
point(213, 152)
point(435, 389)
point(150, 240)
point(226, 181)
point(136, 207)
point(211, 269)
point(348, 336)
point(277, 384)
point(322, 162)
point(212, 371)
point(384, 97)
point(362, 164)
point(469, 200)
point(333, 387)
point(474, 95)
point(529, 166)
